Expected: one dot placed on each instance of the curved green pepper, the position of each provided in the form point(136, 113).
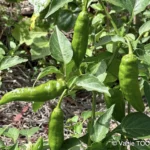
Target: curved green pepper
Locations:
point(128, 78)
point(41, 93)
point(56, 126)
point(117, 99)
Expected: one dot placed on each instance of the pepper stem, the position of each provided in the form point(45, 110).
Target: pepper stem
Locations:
point(129, 46)
point(84, 5)
point(61, 98)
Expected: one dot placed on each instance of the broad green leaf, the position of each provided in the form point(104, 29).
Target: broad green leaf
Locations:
point(12, 133)
point(101, 126)
point(73, 119)
point(37, 105)
point(133, 6)
point(140, 5)
point(70, 143)
point(55, 5)
point(9, 61)
point(91, 83)
point(144, 28)
point(2, 130)
point(78, 128)
point(47, 71)
point(29, 132)
point(98, 70)
point(112, 71)
point(147, 91)
point(86, 114)
point(98, 57)
point(116, 2)
point(66, 20)
point(109, 38)
point(129, 5)
point(40, 48)
point(136, 125)
point(39, 5)
point(60, 47)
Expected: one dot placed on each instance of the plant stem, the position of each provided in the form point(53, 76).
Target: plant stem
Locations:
point(129, 106)
point(129, 46)
point(114, 55)
point(61, 98)
point(84, 6)
point(93, 116)
point(109, 17)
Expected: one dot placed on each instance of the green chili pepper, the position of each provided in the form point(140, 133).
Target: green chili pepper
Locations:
point(80, 37)
point(128, 78)
point(41, 93)
point(56, 126)
point(117, 99)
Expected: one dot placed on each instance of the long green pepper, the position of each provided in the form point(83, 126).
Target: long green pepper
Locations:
point(128, 78)
point(56, 129)
point(41, 93)
point(80, 36)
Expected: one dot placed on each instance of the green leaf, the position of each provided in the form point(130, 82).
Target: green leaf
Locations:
point(141, 146)
point(13, 1)
point(12, 133)
point(70, 143)
point(37, 105)
point(47, 71)
point(144, 28)
point(109, 38)
point(140, 5)
point(66, 20)
point(97, 146)
point(86, 114)
point(60, 47)
point(1, 144)
point(2, 130)
point(39, 144)
point(116, 3)
point(3, 48)
point(40, 48)
point(73, 119)
point(91, 83)
point(9, 61)
point(98, 70)
point(22, 33)
point(29, 132)
point(147, 91)
point(39, 5)
point(55, 5)
point(112, 71)
point(101, 126)
point(78, 128)
point(14, 147)
point(136, 125)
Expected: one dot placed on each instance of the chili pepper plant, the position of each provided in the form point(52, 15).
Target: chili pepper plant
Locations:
point(101, 46)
